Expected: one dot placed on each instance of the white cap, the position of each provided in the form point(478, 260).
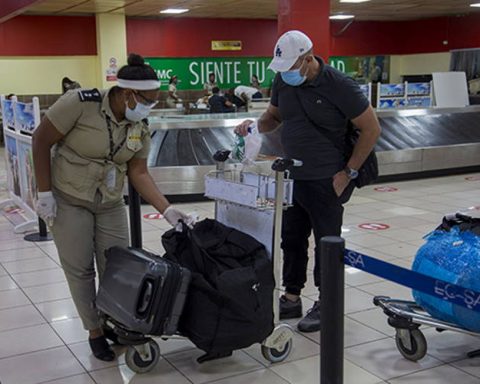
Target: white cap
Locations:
point(290, 46)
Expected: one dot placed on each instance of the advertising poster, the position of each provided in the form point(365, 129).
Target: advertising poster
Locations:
point(366, 91)
point(364, 69)
point(390, 90)
point(386, 103)
point(24, 117)
point(27, 176)
point(229, 71)
point(418, 89)
point(13, 177)
point(7, 113)
point(419, 102)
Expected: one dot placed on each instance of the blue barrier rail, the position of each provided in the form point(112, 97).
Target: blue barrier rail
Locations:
point(453, 293)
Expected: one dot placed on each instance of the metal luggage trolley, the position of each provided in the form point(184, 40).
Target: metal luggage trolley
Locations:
point(253, 203)
point(407, 317)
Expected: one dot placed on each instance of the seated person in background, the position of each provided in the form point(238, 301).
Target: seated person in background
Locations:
point(247, 93)
point(218, 103)
point(210, 84)
point(172, 98)
point(254, 82)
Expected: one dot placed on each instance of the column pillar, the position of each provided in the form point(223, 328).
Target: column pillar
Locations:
point(309, 16)
point(111, 47)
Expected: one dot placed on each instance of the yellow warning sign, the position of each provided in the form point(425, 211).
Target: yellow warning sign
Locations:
point(226, 45)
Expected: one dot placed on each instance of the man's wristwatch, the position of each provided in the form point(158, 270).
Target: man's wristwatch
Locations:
point(351, 173)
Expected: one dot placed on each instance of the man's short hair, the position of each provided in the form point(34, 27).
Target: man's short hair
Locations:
point(215, 90)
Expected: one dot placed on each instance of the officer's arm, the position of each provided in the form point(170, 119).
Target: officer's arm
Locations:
point(370, 130)
point(143, 182)
point(45, 136)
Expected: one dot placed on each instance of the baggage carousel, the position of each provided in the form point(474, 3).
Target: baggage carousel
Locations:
point(414, 142)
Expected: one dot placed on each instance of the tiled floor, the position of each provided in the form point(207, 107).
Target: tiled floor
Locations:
point(41, 338)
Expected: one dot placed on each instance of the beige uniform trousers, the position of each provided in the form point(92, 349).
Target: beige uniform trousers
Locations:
point(82, 231)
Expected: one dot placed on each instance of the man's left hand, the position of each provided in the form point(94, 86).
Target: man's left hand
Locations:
point(340, 182)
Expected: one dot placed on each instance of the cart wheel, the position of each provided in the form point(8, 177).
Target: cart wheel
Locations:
point(277, 355)
point(140, 364)
point(418, 347)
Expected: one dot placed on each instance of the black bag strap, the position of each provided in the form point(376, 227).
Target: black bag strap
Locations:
point(323, 132)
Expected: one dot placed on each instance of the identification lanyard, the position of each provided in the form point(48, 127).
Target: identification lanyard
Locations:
point(113, 149)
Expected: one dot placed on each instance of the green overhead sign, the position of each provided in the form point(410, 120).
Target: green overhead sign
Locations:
point(229, 71)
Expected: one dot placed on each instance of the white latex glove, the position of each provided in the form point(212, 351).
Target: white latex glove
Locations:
point(173, 215)
point(46, 207)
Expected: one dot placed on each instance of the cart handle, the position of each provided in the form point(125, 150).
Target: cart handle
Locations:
point(221, 155)
point(281, 165)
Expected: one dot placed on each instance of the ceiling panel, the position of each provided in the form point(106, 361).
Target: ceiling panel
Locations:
point(264, 9)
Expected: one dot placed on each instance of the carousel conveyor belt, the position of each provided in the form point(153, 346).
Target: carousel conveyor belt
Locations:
point(413, 142)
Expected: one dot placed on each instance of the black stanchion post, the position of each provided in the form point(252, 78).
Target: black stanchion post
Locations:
point(332, 309)
point(41, 235)
point(135, 217)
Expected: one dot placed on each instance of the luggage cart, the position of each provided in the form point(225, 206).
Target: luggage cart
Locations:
point(407, 317)
point(253, 203)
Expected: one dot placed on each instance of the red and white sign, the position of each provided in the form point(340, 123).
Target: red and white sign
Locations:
point(385, 189)
point(374, 226)
point(473, 178)
point(153, 216)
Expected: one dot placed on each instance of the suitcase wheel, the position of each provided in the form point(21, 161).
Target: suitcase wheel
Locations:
point(277, 355)
point(142, 358)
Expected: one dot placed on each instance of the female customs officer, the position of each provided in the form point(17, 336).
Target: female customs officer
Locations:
point(100, 137)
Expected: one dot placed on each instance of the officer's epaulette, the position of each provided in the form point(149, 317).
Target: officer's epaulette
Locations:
point(90, 95)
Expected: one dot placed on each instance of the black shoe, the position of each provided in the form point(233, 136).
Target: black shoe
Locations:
point(311, 321)
point(111, 335)
point(290, 309)
point(100, 349)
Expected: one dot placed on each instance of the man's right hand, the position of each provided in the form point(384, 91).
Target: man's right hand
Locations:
point(46, 207)
point(242, 128)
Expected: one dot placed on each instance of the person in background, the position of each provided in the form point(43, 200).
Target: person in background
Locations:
point(254, 82)
point(210, 84)
point(68, 84)
point(99, 137)
point(315, 104)
point(236, 101)
point(218, 103)
point(172, 98)
point(247, 94)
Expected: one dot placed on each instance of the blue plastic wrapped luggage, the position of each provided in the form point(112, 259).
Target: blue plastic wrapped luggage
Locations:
point(452, 254)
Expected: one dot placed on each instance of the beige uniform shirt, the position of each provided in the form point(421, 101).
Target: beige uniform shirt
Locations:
point(82, 162)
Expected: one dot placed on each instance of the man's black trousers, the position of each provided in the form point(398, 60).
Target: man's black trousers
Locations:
point(315, 207)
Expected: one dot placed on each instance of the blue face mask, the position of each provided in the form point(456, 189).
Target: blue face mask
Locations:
point(293, 77)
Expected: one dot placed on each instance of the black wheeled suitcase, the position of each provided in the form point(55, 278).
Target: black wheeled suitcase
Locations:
point(142, 291)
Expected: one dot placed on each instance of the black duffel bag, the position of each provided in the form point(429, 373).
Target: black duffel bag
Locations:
point(229, 304)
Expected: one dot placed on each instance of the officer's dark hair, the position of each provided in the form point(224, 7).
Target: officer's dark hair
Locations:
point(215, 90)
point(172, 78)
point(211, 74)
point(136, 69)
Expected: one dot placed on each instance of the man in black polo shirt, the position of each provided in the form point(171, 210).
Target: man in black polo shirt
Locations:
point(314, 102)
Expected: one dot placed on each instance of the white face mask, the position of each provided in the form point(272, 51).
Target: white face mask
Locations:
point(140, 112)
